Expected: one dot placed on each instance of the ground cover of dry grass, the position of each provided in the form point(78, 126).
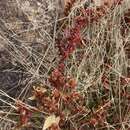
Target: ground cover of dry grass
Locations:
point(29, 30)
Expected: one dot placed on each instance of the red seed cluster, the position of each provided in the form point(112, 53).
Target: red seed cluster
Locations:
point(68, 6)
point(57, 79)
point(25, 113)
point(69, 43)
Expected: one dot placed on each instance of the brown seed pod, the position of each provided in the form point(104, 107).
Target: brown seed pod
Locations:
point(68, 6)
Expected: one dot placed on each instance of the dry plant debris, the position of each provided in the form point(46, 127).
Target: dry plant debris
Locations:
point(65, 65)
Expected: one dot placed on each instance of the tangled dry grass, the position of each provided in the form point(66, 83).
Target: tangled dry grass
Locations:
point(91, 90)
